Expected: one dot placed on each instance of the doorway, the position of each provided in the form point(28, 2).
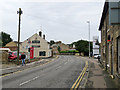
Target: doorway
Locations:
point(118, 55)
point(112, 61)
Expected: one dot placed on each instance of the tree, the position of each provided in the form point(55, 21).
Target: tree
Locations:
point(5, 38)
point(83, 46)
point(59, 49)
point(52, 42)
point(0, 40)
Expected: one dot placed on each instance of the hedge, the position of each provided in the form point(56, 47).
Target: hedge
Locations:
point(69, 51)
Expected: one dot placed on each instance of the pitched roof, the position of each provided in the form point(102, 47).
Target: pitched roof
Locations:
point(36, 36)
point(12, 44)
point(105, 9)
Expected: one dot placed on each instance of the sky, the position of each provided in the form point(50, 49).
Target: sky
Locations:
point(59, 20)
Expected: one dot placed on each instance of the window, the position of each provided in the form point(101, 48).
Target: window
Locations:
point(36, 41)
point(37, 46)
point(42, 53)
point(15, 54)
point(26, 46)
point(10, 53)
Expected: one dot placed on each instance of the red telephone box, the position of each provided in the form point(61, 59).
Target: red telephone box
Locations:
point(31, 53)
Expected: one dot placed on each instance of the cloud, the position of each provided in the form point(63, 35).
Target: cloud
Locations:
point(64, 21)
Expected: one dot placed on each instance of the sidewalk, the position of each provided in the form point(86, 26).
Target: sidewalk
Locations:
point(14, 68)
point(97, 77)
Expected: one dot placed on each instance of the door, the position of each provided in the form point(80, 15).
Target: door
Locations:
point(108, 54)
point(112, 62)
point(119, 55)
point(31, 53)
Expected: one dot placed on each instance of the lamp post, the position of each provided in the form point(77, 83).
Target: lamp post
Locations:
point(89, 35)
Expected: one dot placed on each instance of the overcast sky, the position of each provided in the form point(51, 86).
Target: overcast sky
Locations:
point(58, 20)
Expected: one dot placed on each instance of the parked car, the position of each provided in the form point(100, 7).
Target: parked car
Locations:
point(13, 56)
point(97, 56)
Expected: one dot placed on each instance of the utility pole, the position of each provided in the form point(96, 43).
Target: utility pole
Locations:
point(18, 12)
point(89, 35)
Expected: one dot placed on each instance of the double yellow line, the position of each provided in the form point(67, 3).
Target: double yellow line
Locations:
point(77, 82)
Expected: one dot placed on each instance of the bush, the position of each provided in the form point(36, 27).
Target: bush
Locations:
point(69, 51)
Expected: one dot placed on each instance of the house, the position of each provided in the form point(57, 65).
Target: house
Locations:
point(110, 38)
point(71, 46)
point(54, 48)
point(12, 45)
point(39, 47)
point(59, 44)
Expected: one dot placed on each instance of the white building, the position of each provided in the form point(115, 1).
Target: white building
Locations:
point(95, 46)
point(40, 45)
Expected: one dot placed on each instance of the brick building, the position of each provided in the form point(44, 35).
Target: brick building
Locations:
point(63, 47)
point(110, 37)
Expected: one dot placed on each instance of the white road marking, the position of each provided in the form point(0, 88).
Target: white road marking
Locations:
point(65, 62)
point(58, 67)
point(29, 80)
point(68, 60)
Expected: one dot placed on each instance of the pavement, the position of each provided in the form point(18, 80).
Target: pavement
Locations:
point(97, 76)
point(11, 68)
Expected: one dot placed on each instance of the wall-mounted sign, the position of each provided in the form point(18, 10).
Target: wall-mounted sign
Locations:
point(114, 13)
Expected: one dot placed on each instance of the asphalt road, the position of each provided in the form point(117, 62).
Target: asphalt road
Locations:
point(60, 73)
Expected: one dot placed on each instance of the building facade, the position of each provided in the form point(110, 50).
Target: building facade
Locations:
point(13, 45)
point(95, 45)
point(62, 46)
point(39, 45)
point(110, 38)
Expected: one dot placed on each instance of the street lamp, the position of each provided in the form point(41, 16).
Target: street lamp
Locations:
point(89, 35)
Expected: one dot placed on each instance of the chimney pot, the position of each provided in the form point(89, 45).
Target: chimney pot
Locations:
point(43, 36)
point(40, 34)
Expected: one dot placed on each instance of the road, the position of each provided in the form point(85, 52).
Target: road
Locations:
point(60, 73)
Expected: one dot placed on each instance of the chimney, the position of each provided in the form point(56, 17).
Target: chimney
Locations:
point(40, 34)
point(44, 36)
